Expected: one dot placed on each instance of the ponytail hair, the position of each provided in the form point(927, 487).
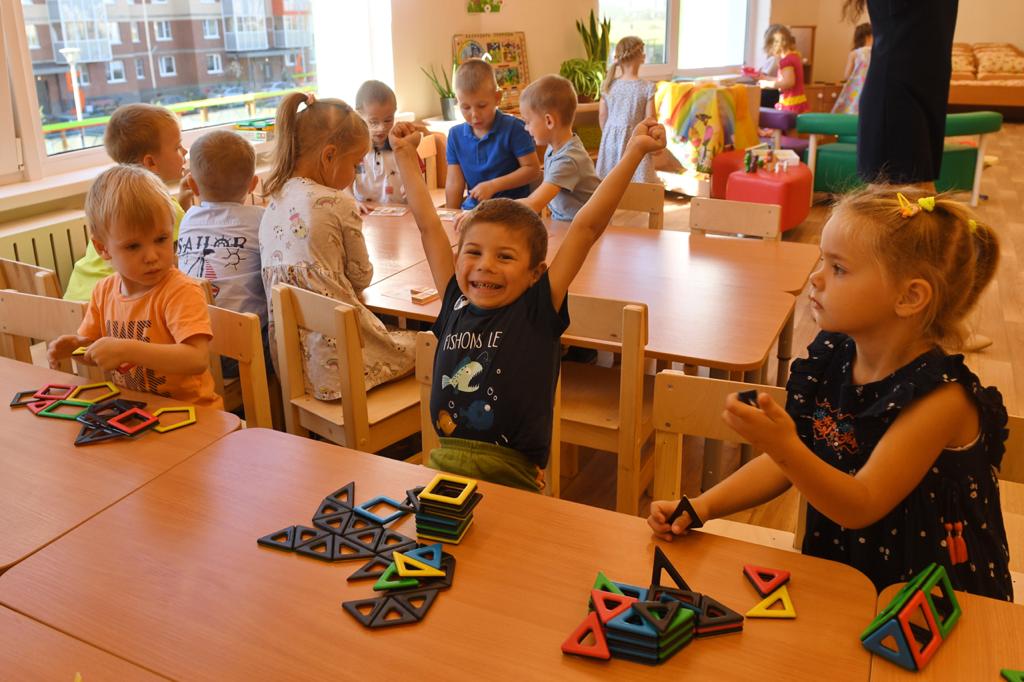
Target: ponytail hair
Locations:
point(627, 49)
point(945, 246)
point(298, 133)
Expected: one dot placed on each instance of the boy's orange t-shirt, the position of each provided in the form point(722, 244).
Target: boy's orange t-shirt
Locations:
point(170, 312)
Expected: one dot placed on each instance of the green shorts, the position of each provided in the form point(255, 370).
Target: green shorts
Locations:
point(486, 462)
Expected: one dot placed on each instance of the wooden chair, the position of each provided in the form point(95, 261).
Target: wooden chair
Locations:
point(361, 420)
point(238, 336)
point(24, 317)
point(426, 347)
point(609, 408)
point(29, 279)
point(431, 153)
point(686, 405)
point(1011, 495)
point(646, 197)
point(734, 217)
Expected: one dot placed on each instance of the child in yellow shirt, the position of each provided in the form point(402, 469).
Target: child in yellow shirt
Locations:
point(148, 322)
point(142, 134)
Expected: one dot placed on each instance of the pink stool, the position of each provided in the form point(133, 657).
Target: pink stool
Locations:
point(722, 165)
point(790, 189)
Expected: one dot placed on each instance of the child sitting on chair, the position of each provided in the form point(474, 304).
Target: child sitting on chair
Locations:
point(502, 316)
point(219, 237)
point(143, 134)
point(147, 323)
point(491, 154)
point(377, 178)
point(548, 106)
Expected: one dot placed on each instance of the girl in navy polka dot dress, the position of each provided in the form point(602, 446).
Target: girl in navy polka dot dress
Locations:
point(894, 443)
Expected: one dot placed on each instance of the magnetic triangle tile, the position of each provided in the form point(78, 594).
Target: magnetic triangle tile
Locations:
point(354, 608)
point(282, 539)
point(899, 600)
point(346, 550)
point(687, 598)
point(366, 538)
point(573, 644)
point(877, 643)
point(93, 434)
point(414, 568)
point(324, 548)
point(617, 638)
point(304, 534)
point(658, 614)
point(448, 564)
point(374, 568)
point(430, 554)
point(330, 508)
point(638, 593)
point(715, 614)
point(632, 623)
point(357, 523)
point(387, 553)
point(407, 599)
point(763, 609)
point(334, 523)
point(392, 613)
point(39, 405)
point(390, 539)
point(412, 498)
point(602, 583)
point(609, 604)
point(344, 496)
point(389, 580)
point(765, 580)
point(662, 564)
point(923, 641)
point(1012, 675)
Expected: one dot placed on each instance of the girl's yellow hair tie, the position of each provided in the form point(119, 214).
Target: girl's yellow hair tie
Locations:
point(927, 203)
point(909, 210)
point(972, 225)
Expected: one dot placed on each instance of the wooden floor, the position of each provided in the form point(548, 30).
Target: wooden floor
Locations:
point(1000, 316)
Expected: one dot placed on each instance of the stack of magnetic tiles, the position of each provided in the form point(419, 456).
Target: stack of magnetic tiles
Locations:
point(103, 416)
point(444, 508)
point(928, 598)
point(648, 625)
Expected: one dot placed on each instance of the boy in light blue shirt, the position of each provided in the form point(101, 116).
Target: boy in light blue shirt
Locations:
point(491, 154)
point(549, 107)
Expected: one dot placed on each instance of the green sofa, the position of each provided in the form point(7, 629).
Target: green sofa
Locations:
point(835, 165)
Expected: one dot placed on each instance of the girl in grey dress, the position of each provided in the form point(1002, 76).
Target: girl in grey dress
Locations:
point(626, 101)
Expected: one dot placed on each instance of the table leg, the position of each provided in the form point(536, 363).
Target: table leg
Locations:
point(785, 350)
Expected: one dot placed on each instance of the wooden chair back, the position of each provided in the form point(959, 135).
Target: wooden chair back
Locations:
point(686, 405)
point(426, 347)
point(1012, 468)
point(622, 325)
point(734, 217)
point(646, 197)
point(239, 336)
point(24, 317)
point(428, 150)
point(28, 279)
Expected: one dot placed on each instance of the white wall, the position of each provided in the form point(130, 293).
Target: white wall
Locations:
point(990, 21)
point(550, 27)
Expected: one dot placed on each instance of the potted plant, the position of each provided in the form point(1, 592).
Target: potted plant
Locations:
point(445, 91)
point(586, 75)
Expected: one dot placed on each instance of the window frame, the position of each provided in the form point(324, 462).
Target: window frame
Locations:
point(36, 45)
point(83, 70)
point(216, 27)
point(110, 71)
point(139, 61)
point(114, 32)
point(133, 32)
point(220, 63)
point(174, 66)
point(157, 24)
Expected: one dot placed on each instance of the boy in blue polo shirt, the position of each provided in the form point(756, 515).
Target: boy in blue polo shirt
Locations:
point(491, 154)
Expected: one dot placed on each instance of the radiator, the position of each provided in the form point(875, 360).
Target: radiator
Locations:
point(53, 240)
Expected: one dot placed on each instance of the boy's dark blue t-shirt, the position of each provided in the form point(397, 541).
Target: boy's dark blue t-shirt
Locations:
point(492, 156)
point(495, 371)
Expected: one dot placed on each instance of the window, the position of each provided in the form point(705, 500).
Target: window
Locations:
point(646, 19)
point(140, 68)
point(83, 75)
point(211, 29)
point(289, 59)
point(115, 71)
point(167, 66)
point(114, 31)
point(162, 29)
point(688, 37)
point(134, 28)
point(213, 64)
point(33, 36)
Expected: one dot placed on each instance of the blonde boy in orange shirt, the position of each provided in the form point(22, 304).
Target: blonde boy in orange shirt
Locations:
point(147, 323)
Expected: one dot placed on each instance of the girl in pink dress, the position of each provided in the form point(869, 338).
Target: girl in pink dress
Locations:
point(779, 41)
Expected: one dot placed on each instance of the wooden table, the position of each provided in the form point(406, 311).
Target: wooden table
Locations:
point(32, 651)
point(393, 243)
point(988, 637)
point(172, 579)
point(48, 486)
point(696, 315)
